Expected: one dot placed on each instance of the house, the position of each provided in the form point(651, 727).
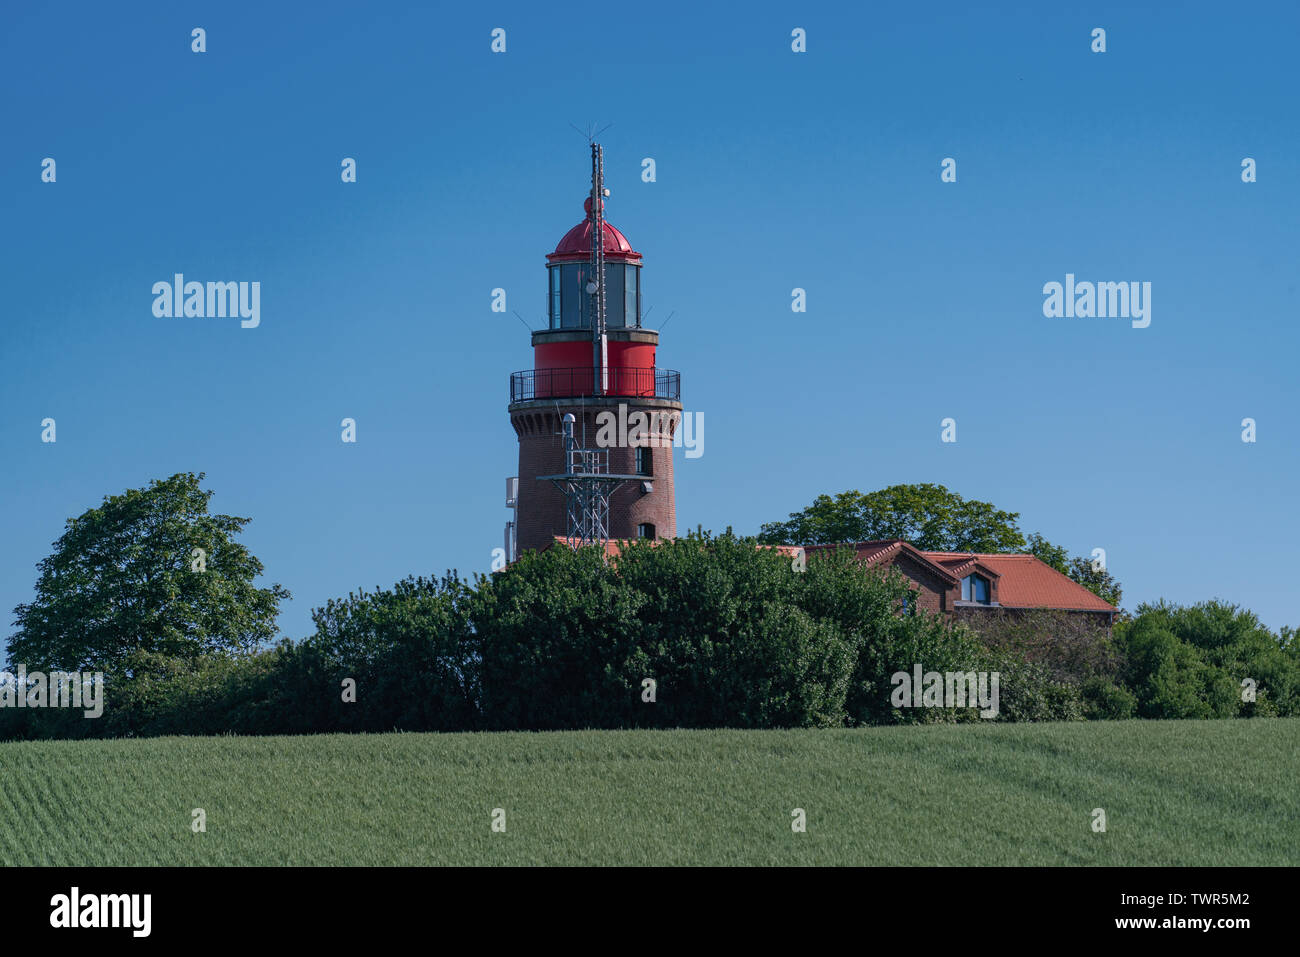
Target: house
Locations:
point(960, 584)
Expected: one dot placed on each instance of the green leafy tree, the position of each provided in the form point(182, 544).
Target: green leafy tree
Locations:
point(559, 638)
point(126, 578)
point(730, 640)
point(1048, 553)
point(1289, 639)
point(928, 516)
point(411, 651)
point(1099, 581)
point(1171, 679)
point(1191, 662)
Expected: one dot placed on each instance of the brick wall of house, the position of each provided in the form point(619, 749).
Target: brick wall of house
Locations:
point(933, 591)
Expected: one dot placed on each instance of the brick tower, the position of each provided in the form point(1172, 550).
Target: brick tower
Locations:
point(594, 358)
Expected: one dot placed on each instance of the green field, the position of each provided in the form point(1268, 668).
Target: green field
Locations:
point(1174, 792)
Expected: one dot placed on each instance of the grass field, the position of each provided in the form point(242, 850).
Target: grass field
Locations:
point(1177, 792)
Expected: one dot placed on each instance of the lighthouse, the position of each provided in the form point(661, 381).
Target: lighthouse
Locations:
point(593, 367)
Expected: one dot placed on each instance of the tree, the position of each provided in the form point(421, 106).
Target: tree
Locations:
point(410, 650)
point(1097, 580)
point(149, 570)
point(931, 518)
point(1195, 662)
point(1048, 554)
point(732, 638)
point(928, 516)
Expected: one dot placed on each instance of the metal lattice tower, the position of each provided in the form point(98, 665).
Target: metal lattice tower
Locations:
point(587, 485)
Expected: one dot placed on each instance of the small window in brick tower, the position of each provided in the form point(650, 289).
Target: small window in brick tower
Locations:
point(645, 462)
point(645, 530)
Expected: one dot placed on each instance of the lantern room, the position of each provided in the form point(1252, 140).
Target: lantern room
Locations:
point(569, 270)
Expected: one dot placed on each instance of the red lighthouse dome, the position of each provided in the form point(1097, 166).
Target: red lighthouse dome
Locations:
point(576, 244)
point(569, 301)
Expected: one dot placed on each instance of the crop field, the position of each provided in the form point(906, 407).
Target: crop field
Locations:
point(1173, 793)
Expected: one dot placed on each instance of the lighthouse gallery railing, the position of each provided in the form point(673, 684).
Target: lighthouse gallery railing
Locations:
point(571, 383)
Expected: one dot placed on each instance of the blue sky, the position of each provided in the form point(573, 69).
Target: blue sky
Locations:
point(775, 170)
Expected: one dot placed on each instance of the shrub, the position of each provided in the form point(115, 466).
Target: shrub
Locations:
point(1029, 692)
point(1170, 678)
point(557, 636)
point(731, 638)
point(1190, 662)
point(1104, 700)
point(731, 635)
point(411, 651)
point(1071, 647)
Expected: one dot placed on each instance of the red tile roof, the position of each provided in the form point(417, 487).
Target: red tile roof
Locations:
point(1027, 582)
point(612, 547)
point(873, 553)
point(1023, 580)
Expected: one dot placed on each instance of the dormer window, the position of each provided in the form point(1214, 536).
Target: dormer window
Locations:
point(975, 588)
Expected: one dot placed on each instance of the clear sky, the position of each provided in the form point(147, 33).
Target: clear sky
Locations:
point(775, 170)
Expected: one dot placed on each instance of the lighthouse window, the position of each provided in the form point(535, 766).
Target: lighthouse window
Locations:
point(614, 314)
point(573, 296)
point(645, 464)
point(569, 302)
point(633, 295)
point(645, 530)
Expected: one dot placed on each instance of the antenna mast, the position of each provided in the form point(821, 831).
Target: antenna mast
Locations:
point(600, 346)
